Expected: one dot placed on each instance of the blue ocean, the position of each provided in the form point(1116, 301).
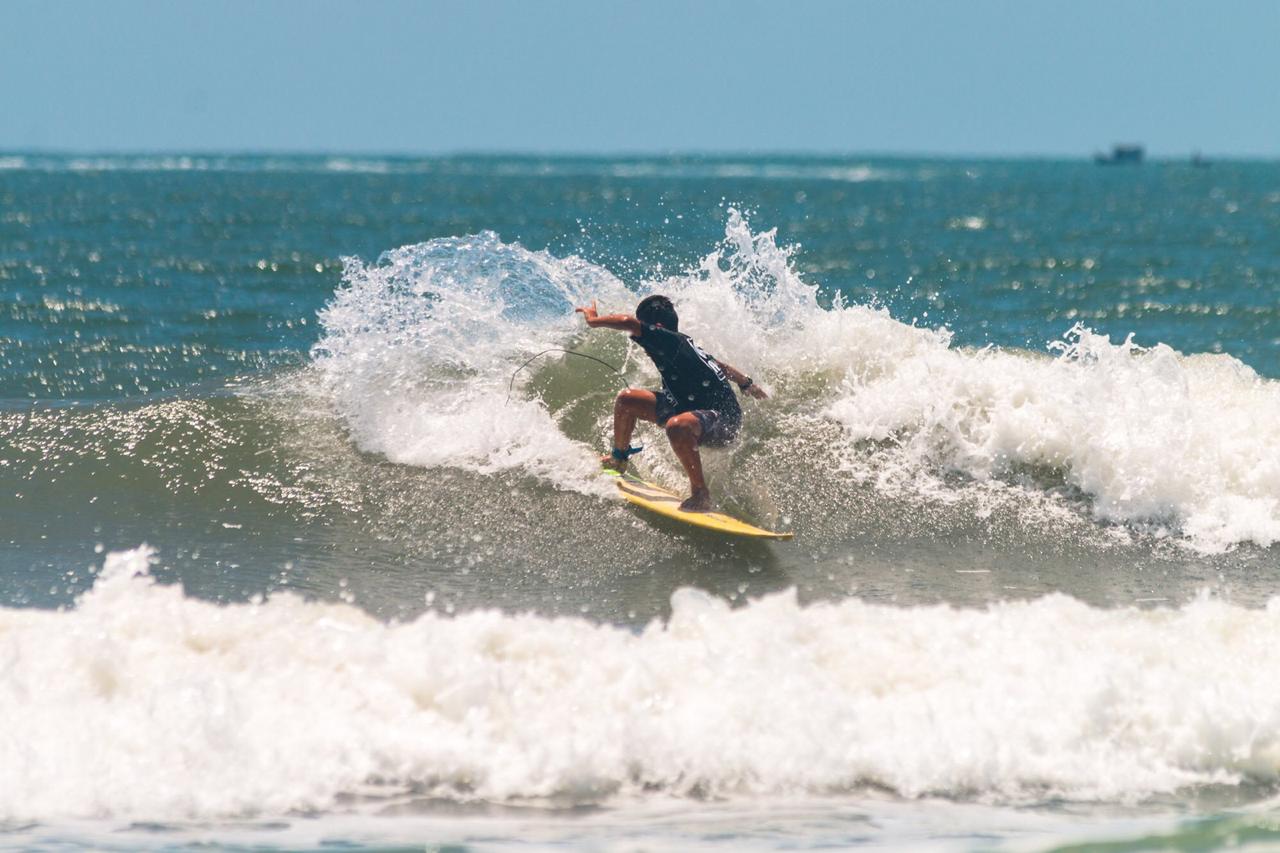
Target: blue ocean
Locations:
point(306, 545)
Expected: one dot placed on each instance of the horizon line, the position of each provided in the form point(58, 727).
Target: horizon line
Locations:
point(694, 153)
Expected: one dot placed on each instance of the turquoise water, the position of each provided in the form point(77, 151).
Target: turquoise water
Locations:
point(1023, 422)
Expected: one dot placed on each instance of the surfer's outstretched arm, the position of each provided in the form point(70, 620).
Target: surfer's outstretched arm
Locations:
point(621, 322)
point(742, 380)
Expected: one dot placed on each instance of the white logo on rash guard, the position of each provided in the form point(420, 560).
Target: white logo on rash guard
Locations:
point(707, 360)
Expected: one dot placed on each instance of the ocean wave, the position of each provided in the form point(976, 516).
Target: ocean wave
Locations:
point(234, 163)
point(1149, 434)
point(143, 702)
point(786, 171)
point(355, 164)
point(677, 169)
point(418, 351)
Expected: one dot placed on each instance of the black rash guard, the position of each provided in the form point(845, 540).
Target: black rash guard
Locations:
point(691, 379)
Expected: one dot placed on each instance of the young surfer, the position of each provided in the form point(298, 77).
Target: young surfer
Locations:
point(696, 405)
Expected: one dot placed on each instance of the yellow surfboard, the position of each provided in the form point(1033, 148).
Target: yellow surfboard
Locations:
point(659, 500)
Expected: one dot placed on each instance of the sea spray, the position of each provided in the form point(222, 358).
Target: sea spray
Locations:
point(419, 348)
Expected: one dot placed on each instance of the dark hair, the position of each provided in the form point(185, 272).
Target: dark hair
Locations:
point(658, 311)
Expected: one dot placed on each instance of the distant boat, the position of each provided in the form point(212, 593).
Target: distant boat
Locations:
point(1198, 161)
point(1121, 155)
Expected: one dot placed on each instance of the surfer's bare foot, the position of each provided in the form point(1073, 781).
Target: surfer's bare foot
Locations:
point(699, 501)
point(608, 461)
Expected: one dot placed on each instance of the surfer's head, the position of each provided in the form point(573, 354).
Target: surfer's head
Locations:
point(658, 311)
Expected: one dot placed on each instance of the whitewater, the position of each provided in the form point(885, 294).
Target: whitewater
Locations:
point(170, 708)
point(419, 349)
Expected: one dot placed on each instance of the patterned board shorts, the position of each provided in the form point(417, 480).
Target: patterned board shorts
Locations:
point(718, 428)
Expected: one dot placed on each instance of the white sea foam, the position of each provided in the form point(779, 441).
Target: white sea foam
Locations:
point(359, 165)
point(142, 702)
point(1150, 434)
point(418, 350)
point(806, 172)
point(205, 163)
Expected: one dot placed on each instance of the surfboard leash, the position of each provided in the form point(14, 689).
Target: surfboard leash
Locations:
point(512, 384)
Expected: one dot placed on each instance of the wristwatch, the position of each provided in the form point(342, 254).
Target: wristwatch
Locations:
point(745, 385)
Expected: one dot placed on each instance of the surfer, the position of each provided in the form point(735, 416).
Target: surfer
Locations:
point(696, 405)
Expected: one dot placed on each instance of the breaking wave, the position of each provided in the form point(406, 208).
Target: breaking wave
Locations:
point(419, 349)
point(141, 700)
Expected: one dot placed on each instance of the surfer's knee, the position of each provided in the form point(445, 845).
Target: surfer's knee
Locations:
point(683, 428)
point(629, 398)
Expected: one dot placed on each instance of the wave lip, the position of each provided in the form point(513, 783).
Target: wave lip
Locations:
point(141, 702)
point(419, 349)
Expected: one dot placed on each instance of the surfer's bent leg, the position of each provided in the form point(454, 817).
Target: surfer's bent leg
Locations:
point(632, 404)
point(684, 430)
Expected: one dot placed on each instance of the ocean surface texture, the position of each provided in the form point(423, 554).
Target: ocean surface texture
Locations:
point(304, 543)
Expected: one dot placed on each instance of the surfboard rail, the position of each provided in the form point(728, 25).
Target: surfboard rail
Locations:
point(663, 502)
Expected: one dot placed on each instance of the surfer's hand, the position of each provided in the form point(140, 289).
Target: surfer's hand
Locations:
point(589, 311)
point(757, 392)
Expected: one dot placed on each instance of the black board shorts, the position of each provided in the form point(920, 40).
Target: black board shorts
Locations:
point(719, 427)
